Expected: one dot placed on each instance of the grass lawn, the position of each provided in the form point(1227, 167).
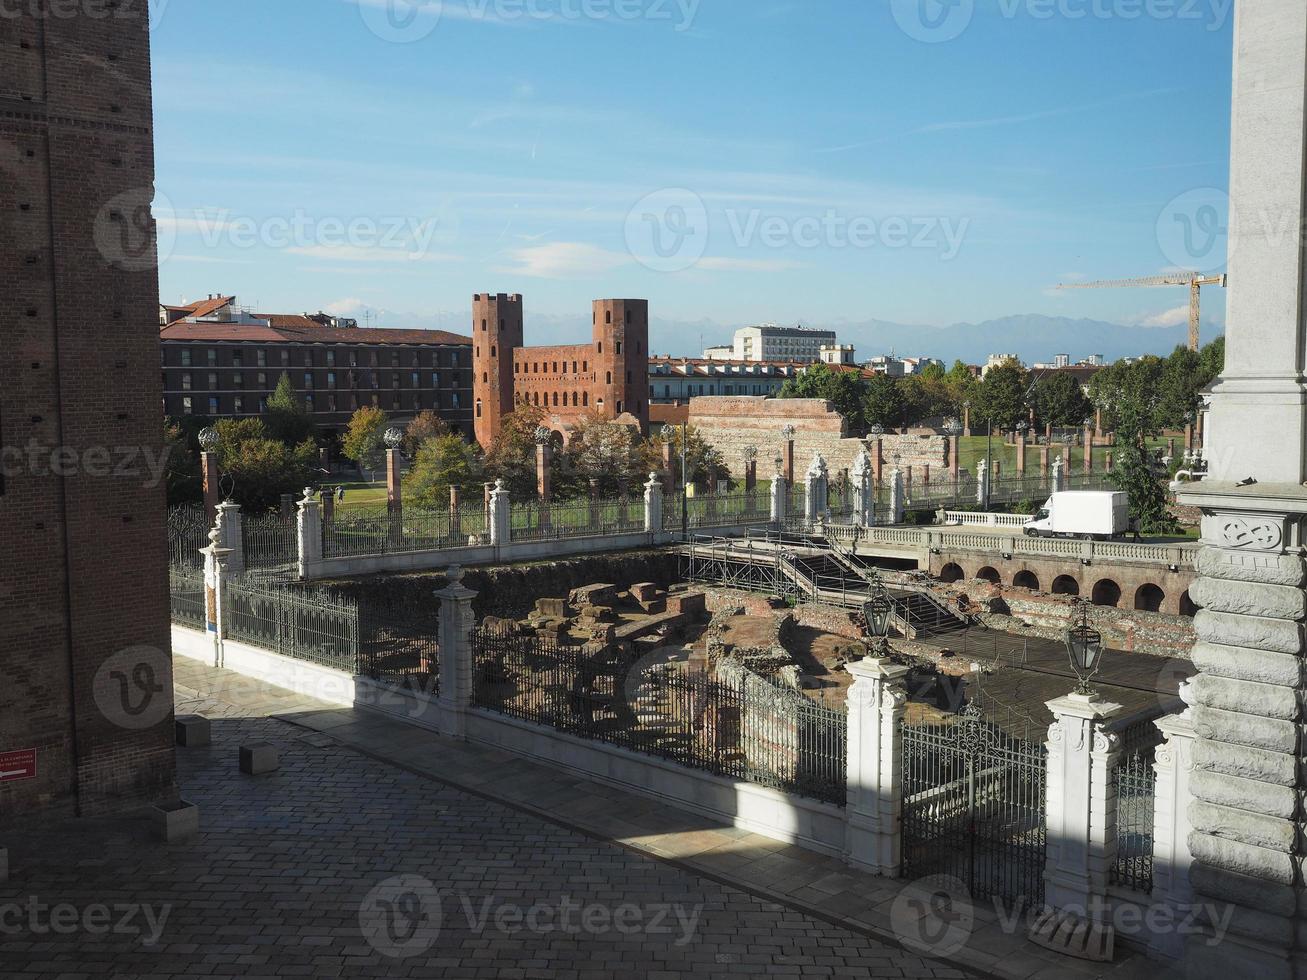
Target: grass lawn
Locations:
point(971, 451)
point(359, 494)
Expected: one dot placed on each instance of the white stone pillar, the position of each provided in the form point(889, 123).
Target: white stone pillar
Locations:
point(1058, 478)
point(309, 534)
point(653, 505)
point(896, 496)
point(215, 572)
point(456, 624)
point(779, 498)
point(501, 516)
point(982, 482)
point(1081, 805)
point(233, 536)
point(1172, 858)
point(816, 482)
point(876, 702)
point(864, 490)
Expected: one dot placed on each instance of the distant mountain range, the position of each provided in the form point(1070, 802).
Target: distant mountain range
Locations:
point(1033, 336)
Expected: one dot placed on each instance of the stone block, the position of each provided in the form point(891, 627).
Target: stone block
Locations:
point(593, 595)
point(175, 820)
point(1271, 700)
point(1275, 635)
point(192, 731)
point(1250, 598)
point(643, 592)
point(258, 758)
point(687, 604)
point(553, 608)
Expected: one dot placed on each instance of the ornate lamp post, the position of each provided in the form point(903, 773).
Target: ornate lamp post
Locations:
point(877, 610)
point(1084, 646)
point(209, 440)
point(953, 429)
point(393, 438)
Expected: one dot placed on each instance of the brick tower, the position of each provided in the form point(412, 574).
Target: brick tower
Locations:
point(621, 341)
point(496, 330)
point(86, 697)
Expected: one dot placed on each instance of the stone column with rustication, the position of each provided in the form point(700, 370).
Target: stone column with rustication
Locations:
point(864, 490)
point(816, 484)
point(501, 515)
point(779, 496)
point(233, 536)
point(456, 624)
point(875, 702)
point(653, 505)
point(896, 502)
point(308, 527)
point(1173, 763)
point(1080, 811)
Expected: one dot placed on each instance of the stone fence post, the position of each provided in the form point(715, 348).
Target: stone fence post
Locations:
point(232, 537)
point(501, 516)
point(982, 482)
point(1080, 805)
point(215, 574)
point(309, 534)
point(895, 496)
point(456, 624)
point(1171, 856)
point(779, 498)
point(876, 702)
point(864, 490)
point(816, 482)
point(1058, 482)
point(653, 505)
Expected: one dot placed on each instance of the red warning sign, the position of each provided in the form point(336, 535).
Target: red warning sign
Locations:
point(18, 764)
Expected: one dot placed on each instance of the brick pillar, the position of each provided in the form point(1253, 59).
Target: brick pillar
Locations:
point(1098, 422)
point(544, 455)
point(877, 459)
point(1080, 804)
point(1188, 437)
point(955, 457)
point(456, 624)
point(876, 702)
point(1089, 450)
point(998, 470)
point(750, 475)
point(327, 499)
point(1021, 452)
point(966, 421)
point(212, 494)
point(594, 503)
point(669, 468)
point(925, 475)
point(1108, 462)
point(788, 456)
point(394, 496)
point(455, 512)
point(1043, 460)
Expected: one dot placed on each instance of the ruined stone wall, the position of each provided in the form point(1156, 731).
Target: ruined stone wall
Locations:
point(730, 423)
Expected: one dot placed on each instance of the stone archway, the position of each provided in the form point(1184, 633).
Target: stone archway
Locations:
point(1187, 606)
point(1106, 593)
point(1065, 585)
point(1149, 598)
point(1026, 579)
point(952, 572)
point(990, 574)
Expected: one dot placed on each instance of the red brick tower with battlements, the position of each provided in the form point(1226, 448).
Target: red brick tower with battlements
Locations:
point(496, 332)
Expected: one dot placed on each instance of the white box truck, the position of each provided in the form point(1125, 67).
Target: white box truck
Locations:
point(1088, 514)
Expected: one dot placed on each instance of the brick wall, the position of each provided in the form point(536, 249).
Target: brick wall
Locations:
point(730, 423)
point(83, 585)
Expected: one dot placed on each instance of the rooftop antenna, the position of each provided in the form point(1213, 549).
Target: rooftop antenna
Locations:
point(367, 317)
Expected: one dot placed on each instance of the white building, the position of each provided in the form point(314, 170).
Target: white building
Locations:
point(680, 379)
point(996, 360)
point(837, 354)
point(769, 342)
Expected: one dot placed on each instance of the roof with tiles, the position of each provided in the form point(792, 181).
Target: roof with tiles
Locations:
point(213, 332)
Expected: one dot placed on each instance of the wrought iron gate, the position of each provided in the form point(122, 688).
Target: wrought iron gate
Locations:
point(973, 807)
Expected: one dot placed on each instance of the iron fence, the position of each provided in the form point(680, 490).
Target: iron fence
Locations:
point(728, 509)
point(542, 521)
point(398, 642)
point(668, 710)
point(187, 598)
point(188, 532)
point(1136, 794)
point(318, 627)
point(412, 529)
point(270, 542)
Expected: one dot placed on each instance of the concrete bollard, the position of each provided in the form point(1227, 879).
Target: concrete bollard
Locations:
point(258, 758)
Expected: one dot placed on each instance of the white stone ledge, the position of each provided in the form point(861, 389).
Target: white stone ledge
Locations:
point(1241, 858)
point(1242, 793)
point(1249, 664)
point(1275, 701)
point(1244, 566)
point(1250, 598)
point(1245, 729)
point(1278, 768)
point(1276, 635)
point(1272, 833)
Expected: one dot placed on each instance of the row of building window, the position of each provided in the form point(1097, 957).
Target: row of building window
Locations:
point(209, 357)
point(330, 404)
point(261, 381)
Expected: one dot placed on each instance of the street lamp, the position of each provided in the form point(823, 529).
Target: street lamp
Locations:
point(1084, 646)
point(393, 437)
point(877, 610)
point(952, 427)
point(209, 438)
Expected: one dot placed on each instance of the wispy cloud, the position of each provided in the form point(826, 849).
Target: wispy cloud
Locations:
point(564, 260)
point(1167, 318)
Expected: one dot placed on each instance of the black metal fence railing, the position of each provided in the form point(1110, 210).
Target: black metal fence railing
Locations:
point(350, 535)
point(188, 532)
point(539, 521)
point(270, 542)
point(1136, 796)
point(719, 725)
point(398, 643)
point(186, 595)
point(316, 627)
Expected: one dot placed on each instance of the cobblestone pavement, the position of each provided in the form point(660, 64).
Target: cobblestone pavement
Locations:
point(338, 865)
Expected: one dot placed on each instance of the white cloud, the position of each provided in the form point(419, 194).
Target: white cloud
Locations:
point(340, 307)
point(565, 260)
point(1167, 318)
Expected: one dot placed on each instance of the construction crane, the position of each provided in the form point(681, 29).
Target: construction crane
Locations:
point(1194, 280)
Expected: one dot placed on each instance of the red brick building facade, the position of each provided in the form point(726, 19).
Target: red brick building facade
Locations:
point(608, 377)
point(86, 689)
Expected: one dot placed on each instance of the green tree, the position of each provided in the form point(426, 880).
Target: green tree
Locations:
point(925, 399)
point(1137, 388)
point(364, 440)
point(285, 415)
point(1001, 397)
point(701, 457)
point(512, 456)
point(182, 469)
point(843, 389)
point(933, 372)
point(605, 451)
point(882, 403)
point(961, 381)
point(1059, 399)
point(441, 462)
point(426, 425)
point(261, 468)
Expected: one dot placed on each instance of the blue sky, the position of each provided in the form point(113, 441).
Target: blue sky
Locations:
point(730, 160)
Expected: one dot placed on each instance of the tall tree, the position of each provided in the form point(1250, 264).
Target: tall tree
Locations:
point(605, 451)
point(512, 456)
point(1136, 409)
point(441, 462)
point(701, 457)
point(426, 425)
point(1058, 398)
point(286, 417)
point(364, 440)
point(1000, 397)
point(882, 404)
point(261, 468)
point(843, 389)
